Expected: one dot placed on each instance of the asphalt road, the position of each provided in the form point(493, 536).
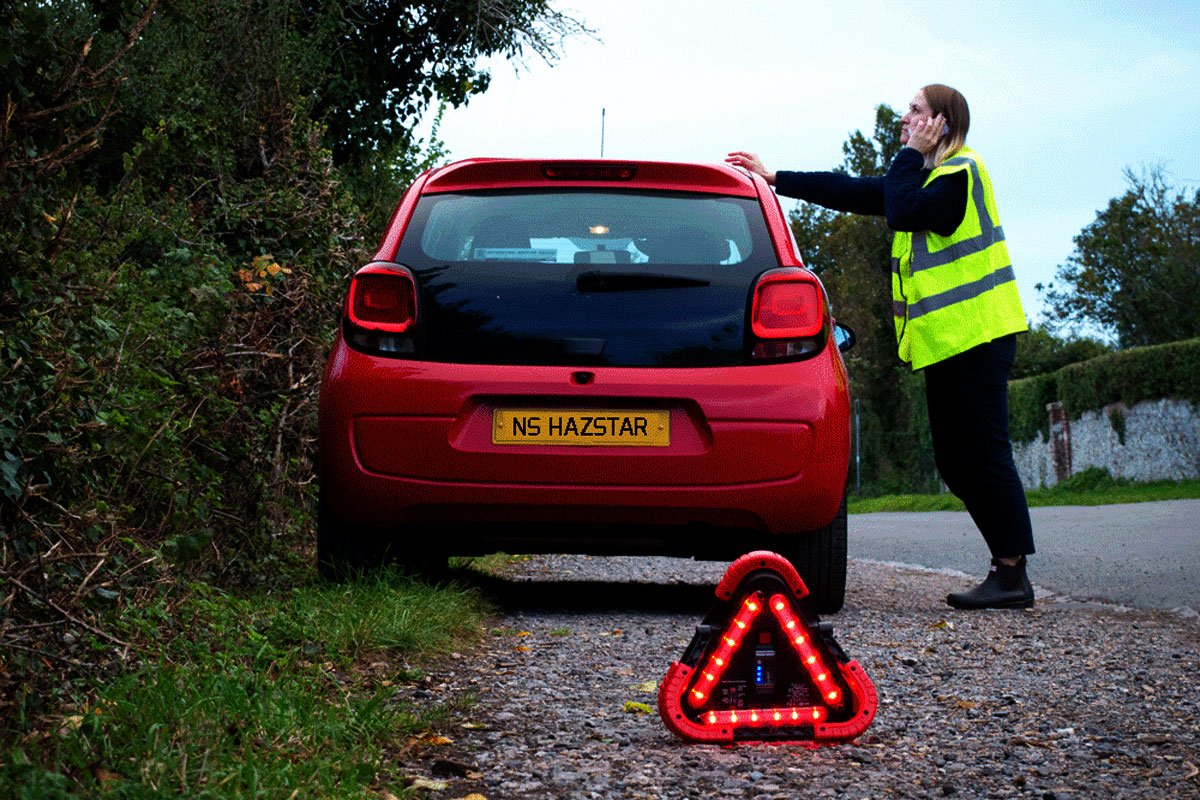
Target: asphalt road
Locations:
point(1142, 555)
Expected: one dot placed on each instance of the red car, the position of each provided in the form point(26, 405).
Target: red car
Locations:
point(586, 356)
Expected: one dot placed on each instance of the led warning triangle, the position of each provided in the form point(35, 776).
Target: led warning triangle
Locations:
point(761, 667)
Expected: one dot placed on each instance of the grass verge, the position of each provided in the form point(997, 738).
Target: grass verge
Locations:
point(1092, 487)
point(299, 693)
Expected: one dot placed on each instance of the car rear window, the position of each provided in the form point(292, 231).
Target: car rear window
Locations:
point(586, 227)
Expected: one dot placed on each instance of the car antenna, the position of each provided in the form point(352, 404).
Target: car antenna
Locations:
point(602, 132)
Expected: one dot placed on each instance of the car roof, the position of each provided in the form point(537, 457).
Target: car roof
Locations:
point(527, 173)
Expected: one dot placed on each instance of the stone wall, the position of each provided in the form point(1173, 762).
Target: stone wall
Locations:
point(1153, 440)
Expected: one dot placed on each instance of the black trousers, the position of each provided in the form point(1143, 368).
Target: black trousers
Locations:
point(967, 397)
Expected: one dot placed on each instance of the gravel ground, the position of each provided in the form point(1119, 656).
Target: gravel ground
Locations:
point(1068, 700)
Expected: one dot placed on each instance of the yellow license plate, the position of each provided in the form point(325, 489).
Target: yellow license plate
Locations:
point(602, 427)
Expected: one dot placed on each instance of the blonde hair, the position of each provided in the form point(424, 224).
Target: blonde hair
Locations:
point(951, 104)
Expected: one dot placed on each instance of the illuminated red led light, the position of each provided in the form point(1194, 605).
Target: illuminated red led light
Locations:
point(808, 655)
point(729, 644)
point(840, 700)
point(764, 717)
point(731, 639)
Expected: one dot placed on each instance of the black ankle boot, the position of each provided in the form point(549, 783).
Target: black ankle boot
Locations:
point(1006, 586)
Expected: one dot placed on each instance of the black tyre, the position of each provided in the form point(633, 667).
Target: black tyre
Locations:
point(347, 551)
point(433, 568)
point(341, 547)
point(820, 558)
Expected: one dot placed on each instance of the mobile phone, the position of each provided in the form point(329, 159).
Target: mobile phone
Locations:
point(945, 129)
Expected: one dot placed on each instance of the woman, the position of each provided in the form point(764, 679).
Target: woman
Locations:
point(956, 311)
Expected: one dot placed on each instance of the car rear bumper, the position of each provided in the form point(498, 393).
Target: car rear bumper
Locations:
point(405, 443)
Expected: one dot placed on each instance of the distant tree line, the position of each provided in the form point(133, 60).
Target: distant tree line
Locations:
point(1135, 272)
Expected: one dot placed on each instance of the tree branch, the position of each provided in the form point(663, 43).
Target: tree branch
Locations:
point(68, 615)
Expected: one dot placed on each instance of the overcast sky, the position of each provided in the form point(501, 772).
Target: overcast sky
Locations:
point(1064, 95)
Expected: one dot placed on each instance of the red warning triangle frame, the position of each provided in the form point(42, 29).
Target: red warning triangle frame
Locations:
point(763, 667)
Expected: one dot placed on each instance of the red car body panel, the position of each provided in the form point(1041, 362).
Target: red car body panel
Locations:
point(762, 447)
point(399, 436)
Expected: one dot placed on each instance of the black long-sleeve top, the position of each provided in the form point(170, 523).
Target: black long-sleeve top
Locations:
point(900, 195)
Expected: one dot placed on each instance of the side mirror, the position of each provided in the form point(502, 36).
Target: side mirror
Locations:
point(844, 336)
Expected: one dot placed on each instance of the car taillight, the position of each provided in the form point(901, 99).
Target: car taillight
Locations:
point(787, 315)
point(381, 308)
point(382, 299)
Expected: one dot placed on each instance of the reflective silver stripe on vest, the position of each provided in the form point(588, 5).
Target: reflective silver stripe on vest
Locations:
point(967, 291)
point(989, 234)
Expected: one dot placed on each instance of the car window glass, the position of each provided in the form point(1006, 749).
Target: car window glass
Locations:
point(587, 227)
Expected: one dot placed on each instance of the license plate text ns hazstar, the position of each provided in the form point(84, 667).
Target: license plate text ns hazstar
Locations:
point(604, 427)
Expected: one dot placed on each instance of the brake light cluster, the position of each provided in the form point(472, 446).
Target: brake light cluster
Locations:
point(381, 309)
point(787, 315)
point(589, 172)
point(732, 683)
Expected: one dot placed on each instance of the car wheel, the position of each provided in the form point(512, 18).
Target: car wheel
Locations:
point(820, 558)
point(432, 568)
point(343, 550)
point(346, 551)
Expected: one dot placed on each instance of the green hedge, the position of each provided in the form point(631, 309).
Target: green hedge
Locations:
point(1126, 376)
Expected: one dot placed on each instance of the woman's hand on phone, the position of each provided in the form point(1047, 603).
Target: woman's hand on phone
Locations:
point(925, 134)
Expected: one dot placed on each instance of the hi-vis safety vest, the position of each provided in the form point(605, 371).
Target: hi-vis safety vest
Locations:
point(952, 293)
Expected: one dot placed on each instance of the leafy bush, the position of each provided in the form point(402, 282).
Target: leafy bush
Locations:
point(1039, 351)
point(1092, 479)
point(1125, 376)
point(1027, 401)
point(176, 240)
point(162, 346)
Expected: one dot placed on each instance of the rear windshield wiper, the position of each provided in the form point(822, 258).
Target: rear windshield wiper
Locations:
point(633, 281)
